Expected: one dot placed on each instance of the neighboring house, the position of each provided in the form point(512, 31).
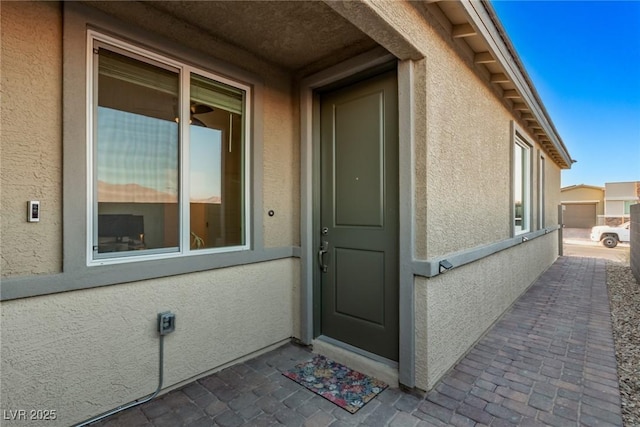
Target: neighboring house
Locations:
point(377, 179)
point(618, 198)
point(582, 205)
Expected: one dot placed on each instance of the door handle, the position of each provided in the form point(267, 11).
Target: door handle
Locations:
point(323, 250)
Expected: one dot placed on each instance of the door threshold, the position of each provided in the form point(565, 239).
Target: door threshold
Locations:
point(355, 358)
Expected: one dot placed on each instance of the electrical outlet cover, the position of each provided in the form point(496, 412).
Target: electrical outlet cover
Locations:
point(166, 322)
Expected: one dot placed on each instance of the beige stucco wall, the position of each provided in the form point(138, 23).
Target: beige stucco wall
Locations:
point(462, 148)
point(463, 189)
point(32, 144)
point(552, 195)
point(579, 194)
point(85, 352)
point(281, 168)
point(453, 310)
point(620, 190)
point(463, 135)
point(616, 193)
point(31, 125)
point(468, 148)
point(589, 194)
point(463, 180)
point(615, 207)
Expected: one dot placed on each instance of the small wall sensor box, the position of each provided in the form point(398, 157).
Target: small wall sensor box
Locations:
point(33, 211)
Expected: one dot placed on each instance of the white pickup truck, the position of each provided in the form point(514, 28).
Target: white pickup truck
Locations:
point(610, 236)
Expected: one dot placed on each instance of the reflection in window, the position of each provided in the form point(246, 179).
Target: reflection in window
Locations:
point(521, 187)
point(541, 191)
point(139, 159)
point(136, 153)
point(216, 205)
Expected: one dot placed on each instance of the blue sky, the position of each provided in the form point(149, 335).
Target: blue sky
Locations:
point(584, 60)
point(136, 149)
point(205, 162)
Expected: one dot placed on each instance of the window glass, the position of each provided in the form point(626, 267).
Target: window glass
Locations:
point(541, 191)
point(136, 155)
point(162, 183)
point(521, 177)
point(216, 176)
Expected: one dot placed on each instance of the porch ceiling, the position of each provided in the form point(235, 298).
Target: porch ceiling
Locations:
point(302, 37)
point(289, 35)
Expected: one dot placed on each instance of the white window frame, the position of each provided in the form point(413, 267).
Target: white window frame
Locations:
point(519, 141)
point(184, 138)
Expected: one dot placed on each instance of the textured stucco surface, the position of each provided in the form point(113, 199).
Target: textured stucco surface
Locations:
point(32, 139)
point(463, 183)
point(552, 197)
point(468, 157)
point(420, 171)
point(279, 32)
point(463, 135)
point(85, 352)
point(622, 190)
point(615, 207)
point(395, 25)
point(281, 168)
point(31, 147)
point(585, 194)
point(453, 310)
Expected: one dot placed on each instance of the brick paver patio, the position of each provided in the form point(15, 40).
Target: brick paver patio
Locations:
point(550, 360)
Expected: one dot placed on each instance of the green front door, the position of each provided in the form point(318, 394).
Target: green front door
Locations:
point(358, 230)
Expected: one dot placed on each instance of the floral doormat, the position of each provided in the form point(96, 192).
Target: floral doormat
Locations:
point(345, 387)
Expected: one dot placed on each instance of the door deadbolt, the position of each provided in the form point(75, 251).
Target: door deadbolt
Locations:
point(325, 231)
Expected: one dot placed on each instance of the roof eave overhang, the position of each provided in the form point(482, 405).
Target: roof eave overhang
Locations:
point(474, 27)
point(484, 19)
